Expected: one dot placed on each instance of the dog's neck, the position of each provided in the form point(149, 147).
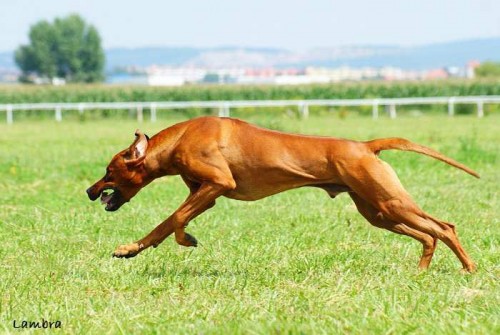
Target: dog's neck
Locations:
point(158, 162)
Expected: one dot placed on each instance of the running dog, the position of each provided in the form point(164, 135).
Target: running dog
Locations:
point(232, 158)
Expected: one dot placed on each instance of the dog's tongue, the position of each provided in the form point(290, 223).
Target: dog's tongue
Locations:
point(105, 198)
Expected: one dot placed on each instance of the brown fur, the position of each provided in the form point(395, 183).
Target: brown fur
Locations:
point(228, 157)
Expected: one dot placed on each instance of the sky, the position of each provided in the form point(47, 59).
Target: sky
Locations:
point(289, 24)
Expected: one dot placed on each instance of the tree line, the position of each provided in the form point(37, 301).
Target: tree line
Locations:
point(70, 49)
point(67, 48)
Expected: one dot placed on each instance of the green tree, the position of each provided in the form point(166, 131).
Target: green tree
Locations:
point(68, 48)
point(488, 69)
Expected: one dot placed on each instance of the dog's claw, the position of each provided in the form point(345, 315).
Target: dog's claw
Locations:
point(469, 270)
point(127, 250)
point(191, 239)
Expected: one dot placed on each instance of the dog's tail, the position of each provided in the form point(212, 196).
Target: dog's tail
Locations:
point(401, 144)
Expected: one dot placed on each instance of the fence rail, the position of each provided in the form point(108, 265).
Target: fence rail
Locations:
point(224, 107)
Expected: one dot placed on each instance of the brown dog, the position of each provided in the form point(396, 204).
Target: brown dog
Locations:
point(228, 157)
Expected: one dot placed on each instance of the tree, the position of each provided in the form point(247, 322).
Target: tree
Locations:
point(68, 48)
point(488, 69)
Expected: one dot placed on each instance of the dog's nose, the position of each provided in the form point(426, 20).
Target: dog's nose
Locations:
point(91, 194)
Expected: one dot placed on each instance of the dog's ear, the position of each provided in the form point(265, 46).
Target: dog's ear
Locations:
point(137, 151)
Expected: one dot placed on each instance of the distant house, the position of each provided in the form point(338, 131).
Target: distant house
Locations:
point(470, 68)
point(436, 74)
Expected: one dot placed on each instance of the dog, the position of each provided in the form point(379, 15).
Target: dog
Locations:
point(235, 159)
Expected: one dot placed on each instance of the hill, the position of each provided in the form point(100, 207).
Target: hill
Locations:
point(437, 55)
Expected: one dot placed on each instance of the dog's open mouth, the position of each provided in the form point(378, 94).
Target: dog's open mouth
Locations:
point(111, 197)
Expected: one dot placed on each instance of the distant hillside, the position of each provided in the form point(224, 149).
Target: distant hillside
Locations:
point(206, 57)
point(427, 56)
point(7, 61)
point(420, 57)
point(146, 56)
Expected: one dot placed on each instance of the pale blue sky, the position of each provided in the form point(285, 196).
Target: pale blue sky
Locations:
point(287, 24)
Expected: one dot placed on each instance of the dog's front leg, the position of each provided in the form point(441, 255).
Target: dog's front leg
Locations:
point(194, 205)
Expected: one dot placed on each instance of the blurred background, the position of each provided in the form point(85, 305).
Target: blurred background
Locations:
point(78, 77)
point(167, 43)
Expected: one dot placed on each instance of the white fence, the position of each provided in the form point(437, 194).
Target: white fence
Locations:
point(224, 107)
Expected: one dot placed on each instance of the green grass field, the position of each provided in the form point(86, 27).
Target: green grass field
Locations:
point(294, 263)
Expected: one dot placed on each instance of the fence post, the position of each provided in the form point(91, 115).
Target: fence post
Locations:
point(304, 109)
point(480, 109)
point(224, 110)
point(152, 108)
point(375, 109)
point(451, 106)
point(392, 111)
point(81, 109)
point(58, 114)
point(10, 118)
point(140, 116)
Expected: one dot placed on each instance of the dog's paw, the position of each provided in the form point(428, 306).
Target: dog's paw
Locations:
point(127, 250)
point(471, 268)
point(192, 241)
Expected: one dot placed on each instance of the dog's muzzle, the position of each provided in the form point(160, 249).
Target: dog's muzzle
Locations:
point(93, 195)
point(110, 196)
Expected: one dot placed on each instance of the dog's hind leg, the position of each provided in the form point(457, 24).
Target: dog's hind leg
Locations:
point(375, 182)
point(406, 211)
point(372, 215)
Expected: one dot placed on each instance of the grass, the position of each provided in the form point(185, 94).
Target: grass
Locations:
point(293, 263)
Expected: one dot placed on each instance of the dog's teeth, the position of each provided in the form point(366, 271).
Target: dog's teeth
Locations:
point(105, 198)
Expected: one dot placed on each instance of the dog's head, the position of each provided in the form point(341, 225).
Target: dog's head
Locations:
point(125, 175)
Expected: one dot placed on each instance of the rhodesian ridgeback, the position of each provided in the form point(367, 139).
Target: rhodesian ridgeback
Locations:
point(232, 158)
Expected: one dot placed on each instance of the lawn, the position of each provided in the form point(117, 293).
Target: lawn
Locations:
point(294, 263)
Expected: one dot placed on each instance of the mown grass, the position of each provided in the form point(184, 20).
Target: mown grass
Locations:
point(297, 262)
